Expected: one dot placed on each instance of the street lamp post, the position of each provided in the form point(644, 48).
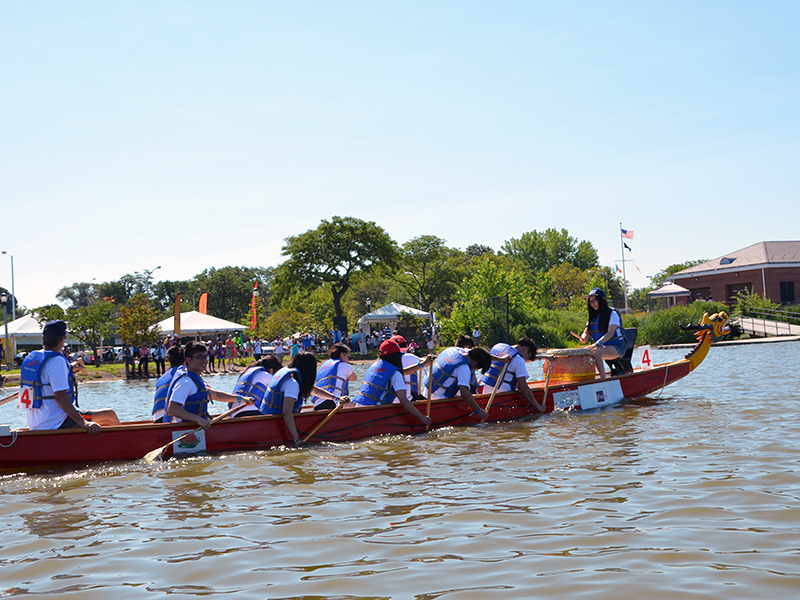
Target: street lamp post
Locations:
point(13, 293)
point(4, 299)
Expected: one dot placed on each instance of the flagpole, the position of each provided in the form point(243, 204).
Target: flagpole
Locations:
point(622, 250)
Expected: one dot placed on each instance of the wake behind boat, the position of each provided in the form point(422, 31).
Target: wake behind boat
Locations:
point(133, 440)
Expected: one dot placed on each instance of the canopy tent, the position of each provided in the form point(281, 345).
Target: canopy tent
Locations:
point(391, 314)
point(672, 292)
point(196, 323)
point(25, 327)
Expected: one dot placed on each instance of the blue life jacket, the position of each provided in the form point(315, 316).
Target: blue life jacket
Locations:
point(196, 403)
point(246, 387)
point(327, 376)
point(444, 369)
point(375, 389)
point(162, 388)
point(490, 377)
point(272, 404)
point(31, 376)
point(619, 335)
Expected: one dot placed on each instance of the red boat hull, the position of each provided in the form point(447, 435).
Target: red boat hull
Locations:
point(131, 441)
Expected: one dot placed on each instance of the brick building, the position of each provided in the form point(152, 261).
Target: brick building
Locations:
point(770, 269)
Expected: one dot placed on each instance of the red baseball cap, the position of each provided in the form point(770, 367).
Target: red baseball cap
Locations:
point(388, 347)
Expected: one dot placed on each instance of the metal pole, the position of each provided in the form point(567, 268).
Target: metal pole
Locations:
point(622, 249)
point(5, 322)
point(13, 293)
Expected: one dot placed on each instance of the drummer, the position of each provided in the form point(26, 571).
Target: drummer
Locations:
point(516, 375)
point(604, 328)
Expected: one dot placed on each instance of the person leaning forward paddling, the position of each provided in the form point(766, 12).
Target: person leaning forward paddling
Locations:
point(188, 394)
point(289, 387)
point(516, 375)
point(453, 371)
point(48, 391)
point(383, 381)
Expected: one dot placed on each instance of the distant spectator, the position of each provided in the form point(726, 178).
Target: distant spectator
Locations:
point(144, 360)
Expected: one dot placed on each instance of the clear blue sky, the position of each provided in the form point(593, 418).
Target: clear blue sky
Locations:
point(200, 134)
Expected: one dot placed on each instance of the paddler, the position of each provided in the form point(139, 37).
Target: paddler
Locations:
point(383, 382)
point(289, 387)
point(412, 366)
point(516, 375)
point(334, 376)
point(188, 394)
point(176, 360)
point(48, 391)
point(254, 382)
point(453, 371)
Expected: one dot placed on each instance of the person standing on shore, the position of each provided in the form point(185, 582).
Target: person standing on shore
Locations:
point(159, 358)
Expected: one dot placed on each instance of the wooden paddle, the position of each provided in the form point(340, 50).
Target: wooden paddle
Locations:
point(547, 383)
point(151, 456)
point(496, 387)
point(430, 382)
point(321, 423)
point(8, 399)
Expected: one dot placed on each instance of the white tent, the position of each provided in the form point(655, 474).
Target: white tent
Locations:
point(196, 323)
point(670, 291)
point(25, 327)
point(391, 314)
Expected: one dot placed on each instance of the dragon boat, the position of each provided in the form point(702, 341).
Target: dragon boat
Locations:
point(21, 449)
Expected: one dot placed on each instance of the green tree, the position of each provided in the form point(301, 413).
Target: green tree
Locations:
point(230, 290)
point(333, 254)
point(568, 282)
point(88, 324)
point(138, 322)
point(78, 294)
point(550, 248)
point(477, 250)
point(660, 277)
point(429, 271)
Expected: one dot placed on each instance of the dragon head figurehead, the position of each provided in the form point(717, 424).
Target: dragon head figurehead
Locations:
point(710, 330)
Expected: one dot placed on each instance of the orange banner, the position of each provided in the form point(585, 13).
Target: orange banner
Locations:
point(177, 316)
point(203, 306)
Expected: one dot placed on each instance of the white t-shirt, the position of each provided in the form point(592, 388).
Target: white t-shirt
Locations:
point(184, 388)
point(517, 367)
point(290, 387)
point(463, 374)
point(55, 378)
point(409, 360)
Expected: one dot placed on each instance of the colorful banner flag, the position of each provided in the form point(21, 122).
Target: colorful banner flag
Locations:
point(635, 267)
point(627, 233)
point(254, 318)
point(177, 316)
point(203, 306)
point(619, 270)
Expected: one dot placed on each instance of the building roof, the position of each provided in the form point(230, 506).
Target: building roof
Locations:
point(762, 254)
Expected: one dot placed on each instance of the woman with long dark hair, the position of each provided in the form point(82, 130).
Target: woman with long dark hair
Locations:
point(604, 328)
point(289, 387)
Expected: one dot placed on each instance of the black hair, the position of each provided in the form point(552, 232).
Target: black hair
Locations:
point(50, 339)
point(529, 344)
point(605, 313)
point(269, 362)
point(465, 341)
point(338, 349)
point(306, 363)
point(394, 359)
point(193, 348)
point(176, 356)
point(481, 357)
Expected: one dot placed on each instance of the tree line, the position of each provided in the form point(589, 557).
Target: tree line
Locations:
point(335, 273)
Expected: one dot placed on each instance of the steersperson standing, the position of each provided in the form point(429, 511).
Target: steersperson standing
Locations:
point(605, 329)
point(48, 389)
point(188, 394)
point(516, 375)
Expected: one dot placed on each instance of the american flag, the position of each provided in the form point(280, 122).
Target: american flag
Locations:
point(627, 233)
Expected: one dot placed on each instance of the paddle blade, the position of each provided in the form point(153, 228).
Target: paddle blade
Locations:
point(151, 457)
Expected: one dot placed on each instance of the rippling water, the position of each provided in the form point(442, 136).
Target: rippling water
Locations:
point(693, 494)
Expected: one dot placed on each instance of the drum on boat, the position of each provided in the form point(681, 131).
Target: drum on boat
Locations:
point(570, 364)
